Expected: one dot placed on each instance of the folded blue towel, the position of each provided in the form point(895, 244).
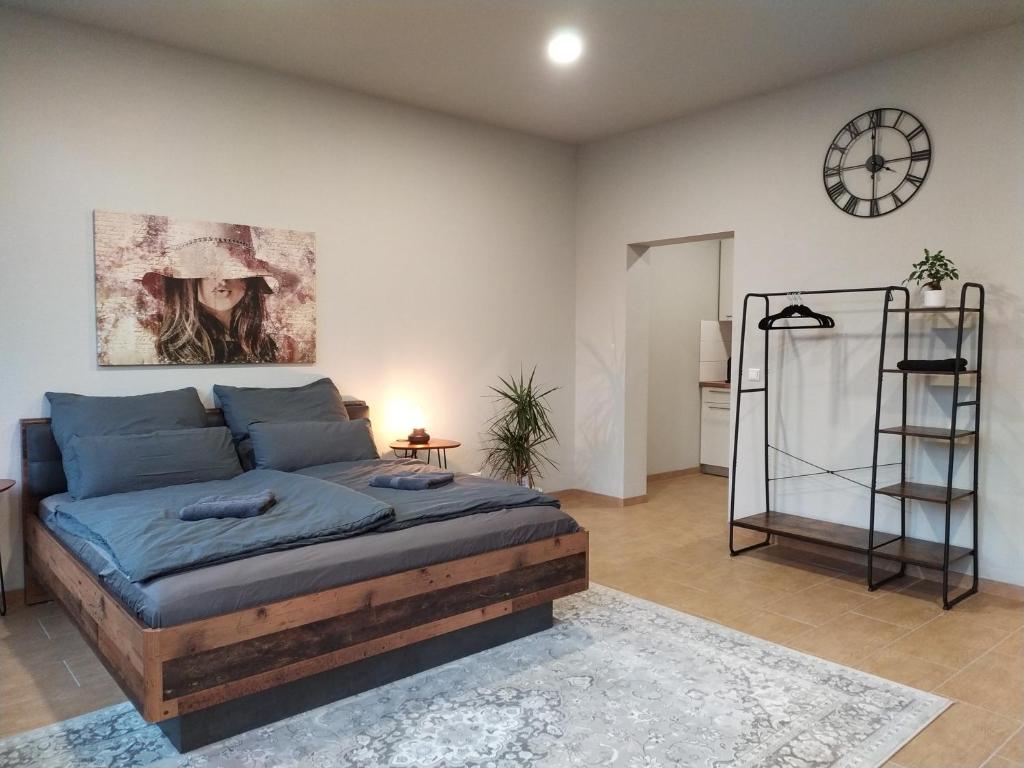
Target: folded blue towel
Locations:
point(228, 506)
point(412, 481)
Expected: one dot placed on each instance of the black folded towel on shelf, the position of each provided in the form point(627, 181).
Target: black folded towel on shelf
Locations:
point(949, 364)
point(412, 481)
point(249, 505)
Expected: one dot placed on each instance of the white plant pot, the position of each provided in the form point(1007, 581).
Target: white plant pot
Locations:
point(934, 299)
point(525, 482)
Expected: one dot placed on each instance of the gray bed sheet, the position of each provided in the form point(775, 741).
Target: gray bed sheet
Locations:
point(233, 586)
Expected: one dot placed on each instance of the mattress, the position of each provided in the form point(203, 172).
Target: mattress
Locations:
point(265, 578)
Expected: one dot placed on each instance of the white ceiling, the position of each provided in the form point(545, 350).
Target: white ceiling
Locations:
point(645, 60)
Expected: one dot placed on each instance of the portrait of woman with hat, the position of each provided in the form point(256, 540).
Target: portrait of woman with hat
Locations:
point(206, 295)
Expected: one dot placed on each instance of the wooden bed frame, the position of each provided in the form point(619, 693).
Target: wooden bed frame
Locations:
point(171, 673)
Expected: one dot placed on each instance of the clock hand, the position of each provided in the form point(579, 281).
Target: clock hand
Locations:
point(865, 165)
point(874, 154)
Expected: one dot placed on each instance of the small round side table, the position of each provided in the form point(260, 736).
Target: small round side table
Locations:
point(410, 450)
point(5, 485)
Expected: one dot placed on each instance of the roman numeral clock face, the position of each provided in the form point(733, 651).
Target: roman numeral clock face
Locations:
point(877, 162)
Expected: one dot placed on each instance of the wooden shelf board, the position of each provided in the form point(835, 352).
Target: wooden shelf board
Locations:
point(922, 492)
point(913, 430)
point(888, 546)
point(919, 552)
point(848, 537)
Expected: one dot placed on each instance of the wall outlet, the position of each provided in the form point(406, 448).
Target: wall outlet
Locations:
point(754, 374)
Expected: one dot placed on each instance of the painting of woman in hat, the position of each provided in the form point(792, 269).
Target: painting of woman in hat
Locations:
point(207, 298)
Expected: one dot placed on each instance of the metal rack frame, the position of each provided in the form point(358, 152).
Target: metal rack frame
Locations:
point(868, 541)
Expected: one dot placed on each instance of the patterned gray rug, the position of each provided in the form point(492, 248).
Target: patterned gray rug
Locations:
point(618, 681)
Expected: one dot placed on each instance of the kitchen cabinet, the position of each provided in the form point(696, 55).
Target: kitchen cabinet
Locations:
point(714, 430)
point(725, 261)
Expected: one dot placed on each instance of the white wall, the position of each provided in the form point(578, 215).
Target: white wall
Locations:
point(408, 206)
point(754, 167)
point(683, 291)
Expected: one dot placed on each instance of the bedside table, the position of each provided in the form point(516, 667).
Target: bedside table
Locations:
point(5, 485)
point(410, 450)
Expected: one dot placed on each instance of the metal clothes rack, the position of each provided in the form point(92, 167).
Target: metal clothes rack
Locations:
point(867, 541)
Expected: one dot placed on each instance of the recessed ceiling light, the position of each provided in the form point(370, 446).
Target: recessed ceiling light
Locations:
point(565, 46)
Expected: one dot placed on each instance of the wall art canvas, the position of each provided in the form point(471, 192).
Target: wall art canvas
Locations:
point(174, 292)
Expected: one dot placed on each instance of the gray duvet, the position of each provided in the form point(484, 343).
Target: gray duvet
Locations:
point(465, 495)
point(261, 579)
point(144, 537)
point(276, 574)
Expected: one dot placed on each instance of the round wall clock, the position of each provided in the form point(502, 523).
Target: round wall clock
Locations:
point(877, 162)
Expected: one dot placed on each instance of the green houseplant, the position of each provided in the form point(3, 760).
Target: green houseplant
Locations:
point(932, 270)
point(517, 437)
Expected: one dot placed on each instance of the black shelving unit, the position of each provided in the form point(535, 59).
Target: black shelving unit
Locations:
point(936, 555)
point(893, 547)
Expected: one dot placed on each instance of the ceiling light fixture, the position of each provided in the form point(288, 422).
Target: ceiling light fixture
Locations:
point(565, 47)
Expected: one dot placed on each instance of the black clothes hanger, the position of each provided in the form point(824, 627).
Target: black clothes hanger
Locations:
point(797, 308)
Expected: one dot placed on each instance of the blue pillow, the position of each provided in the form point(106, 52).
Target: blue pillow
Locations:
point(98, 465)
point(298, 444)
point(83, 415)
point(319, 401)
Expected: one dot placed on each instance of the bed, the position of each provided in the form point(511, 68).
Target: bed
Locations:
point(231, 646)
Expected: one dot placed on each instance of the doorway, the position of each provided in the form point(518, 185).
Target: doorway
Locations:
point(678, 343)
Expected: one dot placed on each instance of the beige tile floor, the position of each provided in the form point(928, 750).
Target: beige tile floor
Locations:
point(672, 550)
point(47, 672)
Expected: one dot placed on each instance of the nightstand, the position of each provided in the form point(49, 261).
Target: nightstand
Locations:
point(410, 450)
point(5, 485)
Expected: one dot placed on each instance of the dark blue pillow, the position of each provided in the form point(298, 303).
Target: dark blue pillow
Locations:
point(98, 465)
point(288, 446)
point(83, 415)
point(319, 401)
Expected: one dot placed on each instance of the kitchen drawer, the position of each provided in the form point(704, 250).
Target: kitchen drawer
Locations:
point(715, 395)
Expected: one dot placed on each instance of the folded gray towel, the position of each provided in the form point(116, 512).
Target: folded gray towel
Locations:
point(228, 506)
point(412, 481)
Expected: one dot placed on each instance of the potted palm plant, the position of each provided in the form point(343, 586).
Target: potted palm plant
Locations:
point(517, 437)
point(932, 270)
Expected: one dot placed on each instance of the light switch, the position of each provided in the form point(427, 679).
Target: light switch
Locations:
point(754, 374)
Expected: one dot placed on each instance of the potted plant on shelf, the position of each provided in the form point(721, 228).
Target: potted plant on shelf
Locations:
point(932, 270)
point(517, 436)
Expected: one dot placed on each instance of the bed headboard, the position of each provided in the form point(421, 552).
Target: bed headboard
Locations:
point(42, 473)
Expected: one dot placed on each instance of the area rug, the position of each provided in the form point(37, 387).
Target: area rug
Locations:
point(618, 681)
